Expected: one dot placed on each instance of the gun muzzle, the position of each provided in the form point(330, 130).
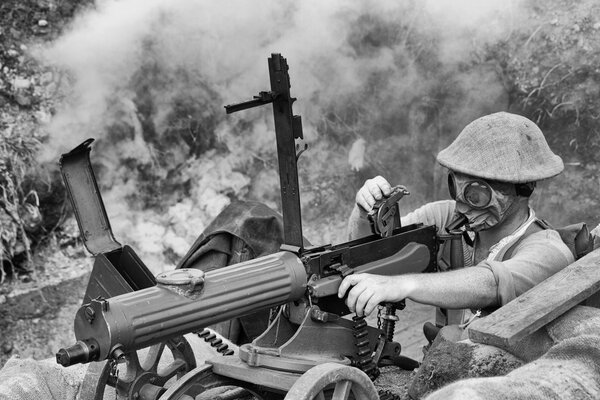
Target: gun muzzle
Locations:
point(135, 320)
point(81, 352)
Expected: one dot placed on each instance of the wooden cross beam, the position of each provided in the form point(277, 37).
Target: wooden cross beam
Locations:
point(539, 305)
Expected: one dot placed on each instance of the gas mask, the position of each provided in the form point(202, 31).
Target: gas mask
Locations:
point(475, 198)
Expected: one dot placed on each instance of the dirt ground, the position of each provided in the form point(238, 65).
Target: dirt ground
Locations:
point(37, 319)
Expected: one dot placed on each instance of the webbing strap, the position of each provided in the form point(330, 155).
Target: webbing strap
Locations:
point(536, 226)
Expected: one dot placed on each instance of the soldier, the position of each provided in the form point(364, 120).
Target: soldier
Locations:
point(493, 165)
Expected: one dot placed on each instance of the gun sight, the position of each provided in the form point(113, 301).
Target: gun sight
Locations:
point(260, 100)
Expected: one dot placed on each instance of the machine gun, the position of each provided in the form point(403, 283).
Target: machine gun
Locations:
point(307, 349)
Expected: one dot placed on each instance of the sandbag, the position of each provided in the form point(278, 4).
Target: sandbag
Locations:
point(257, 225)
point(569, 370)
point(242, 231)
point(28, 379)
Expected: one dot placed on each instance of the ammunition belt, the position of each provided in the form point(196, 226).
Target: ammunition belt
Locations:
point(215, 342)
point(364, 355)
point(364, 360)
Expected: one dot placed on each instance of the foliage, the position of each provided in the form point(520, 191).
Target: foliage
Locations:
point(19, 210)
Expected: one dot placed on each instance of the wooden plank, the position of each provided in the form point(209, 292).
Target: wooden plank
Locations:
point(540, 305)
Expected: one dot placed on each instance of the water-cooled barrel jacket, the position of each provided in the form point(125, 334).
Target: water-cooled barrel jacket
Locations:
point(534, 258)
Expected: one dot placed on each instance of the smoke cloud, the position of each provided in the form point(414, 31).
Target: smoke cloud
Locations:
point(149, 80)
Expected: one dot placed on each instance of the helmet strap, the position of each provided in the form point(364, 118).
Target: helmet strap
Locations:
point(524, 189)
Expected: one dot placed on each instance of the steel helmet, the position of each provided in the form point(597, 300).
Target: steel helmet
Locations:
point(502, 147)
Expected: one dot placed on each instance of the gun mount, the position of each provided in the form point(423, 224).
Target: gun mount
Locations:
point(126, 309)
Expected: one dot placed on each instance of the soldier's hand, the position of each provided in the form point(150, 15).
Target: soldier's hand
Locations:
point(373, 190)
point(366, 291)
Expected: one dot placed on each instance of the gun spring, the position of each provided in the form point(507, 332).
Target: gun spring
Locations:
point(388, 321)
point(215, 342)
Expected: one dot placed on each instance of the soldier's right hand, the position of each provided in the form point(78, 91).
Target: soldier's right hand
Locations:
point(373, 190)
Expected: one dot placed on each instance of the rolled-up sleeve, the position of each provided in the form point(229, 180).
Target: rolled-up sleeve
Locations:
point(537, 257)
point(437, 213)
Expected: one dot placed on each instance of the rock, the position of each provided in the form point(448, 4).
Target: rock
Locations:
point(7, 347)
point(46, 78)
point(43, 117)
point(22, 99)
point(72, 251)
point(21, 83)
point(40, 30)
point(42, 23)
point(51, 88)
point(43, 4)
